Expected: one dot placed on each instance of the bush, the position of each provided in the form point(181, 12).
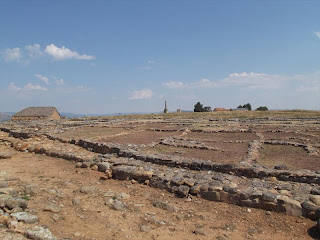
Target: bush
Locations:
point(247, 106)
point(198, 107)
point(262, 108)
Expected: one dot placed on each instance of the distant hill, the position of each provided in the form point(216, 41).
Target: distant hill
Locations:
point(5, 117)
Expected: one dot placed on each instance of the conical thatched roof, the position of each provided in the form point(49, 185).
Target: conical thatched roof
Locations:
point(36, 112)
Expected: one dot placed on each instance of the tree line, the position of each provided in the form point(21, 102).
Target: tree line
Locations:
point(198, 107)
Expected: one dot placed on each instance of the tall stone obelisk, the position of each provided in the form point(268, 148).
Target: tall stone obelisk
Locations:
point(165, 107)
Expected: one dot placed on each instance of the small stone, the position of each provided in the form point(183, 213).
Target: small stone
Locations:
point(78, 164)
point(268, 213)
point(220, 237)
point(281, 167)
point(76, 201)
point(88, 189)
point(145, 228)
point(315, 191)
point(16, 210)
point(109, 201)
point(55, 217)
point(77, 234)
point(52, 208)
point(4, 219)
point(200, 231)
point(109, 194)
point(230, 227)
point(3, 184)
point(117, 205)
point(248, 210)
point(31, 189)
point(103, 167)
point(165, 206)
point(5, 155)
point(94, 167)
point(122, 196)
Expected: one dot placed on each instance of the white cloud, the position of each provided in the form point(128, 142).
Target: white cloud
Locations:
point(144, 68)
point(308, 82)
point(59, 81)
point(34, 50)
point(28, 87)
point(13, 87)
point(308, 89)
point(150, 61)
point(174, 85)
point(253, 81)
point(31, 87)
point(141, 94)
point(243, 80)
point(13, 54)
point(42, 78)
point(317, 34)
point(65, 53)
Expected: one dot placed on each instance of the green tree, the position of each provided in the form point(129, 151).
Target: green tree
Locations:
point(207, 109)
point(262, 108)
point(198, 107)
point(247, 106)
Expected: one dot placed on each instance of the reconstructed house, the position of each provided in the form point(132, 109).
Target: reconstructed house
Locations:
point(219, 109)
point(37, 113)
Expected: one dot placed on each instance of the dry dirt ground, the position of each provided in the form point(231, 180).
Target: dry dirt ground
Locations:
point(79, 203)
point(86, 216)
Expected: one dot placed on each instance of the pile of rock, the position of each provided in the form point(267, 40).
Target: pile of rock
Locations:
point(15, 217)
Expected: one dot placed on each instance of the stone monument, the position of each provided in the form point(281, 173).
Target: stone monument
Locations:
point(165, 107)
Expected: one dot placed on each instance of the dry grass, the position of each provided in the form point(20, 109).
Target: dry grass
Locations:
point(223, 115)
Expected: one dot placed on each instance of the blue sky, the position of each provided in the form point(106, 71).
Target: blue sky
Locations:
point(130, 56)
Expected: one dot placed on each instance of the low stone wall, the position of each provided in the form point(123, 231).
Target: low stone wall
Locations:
point(303, 176)
point(264, 192)
point(308, 147)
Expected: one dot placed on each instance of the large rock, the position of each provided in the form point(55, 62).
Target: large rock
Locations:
point(118, 205)
point(25, 217)
point(211, 196)
point(292, 207)
point(268, 197)
point(88, 189)
point(3, 184)
point(39, 233)
point(104, 166)
point(9, 191)
point(31, 189)
point(183, 191)
point(165, 206)
point(12, 203)
point(315, 199)
point(5, 155)
point(52, 208)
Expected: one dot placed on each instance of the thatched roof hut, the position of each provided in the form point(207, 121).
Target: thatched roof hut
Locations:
point(37, 113)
